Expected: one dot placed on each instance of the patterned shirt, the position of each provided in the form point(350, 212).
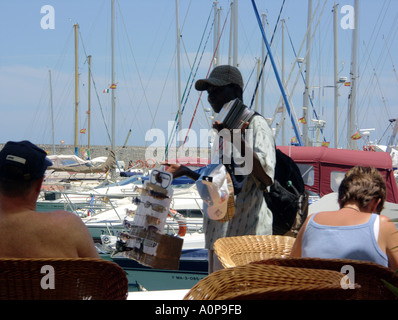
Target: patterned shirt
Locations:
point(252, 216)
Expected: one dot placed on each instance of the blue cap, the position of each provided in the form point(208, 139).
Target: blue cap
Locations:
point(29, 158)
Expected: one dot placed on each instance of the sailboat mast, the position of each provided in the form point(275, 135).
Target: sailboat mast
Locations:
point(336, 80)
point(178, 69)
point(283, 82)
point(113, 72)
point(262, 59)
point(76, 26)
point(233, 35)
point(52, 112)
point(89, 106)
point(216, 34)
point(352, 99)
point(235, 45)
point(307, 77)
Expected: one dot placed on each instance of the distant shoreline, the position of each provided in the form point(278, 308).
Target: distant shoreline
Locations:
point(133, 153)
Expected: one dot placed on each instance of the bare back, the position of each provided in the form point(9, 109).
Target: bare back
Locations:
point(387, 238)
point(57, 234)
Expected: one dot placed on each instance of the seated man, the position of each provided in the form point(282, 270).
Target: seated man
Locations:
point(26, 233)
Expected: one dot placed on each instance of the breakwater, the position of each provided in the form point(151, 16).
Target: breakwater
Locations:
point(128, 153)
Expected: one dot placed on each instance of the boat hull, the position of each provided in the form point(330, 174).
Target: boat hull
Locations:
point(193, 267)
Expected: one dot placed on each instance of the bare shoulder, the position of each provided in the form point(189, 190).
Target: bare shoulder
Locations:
point(60, 219)
point(386, 221)
point(58, 214)
point(71, 227)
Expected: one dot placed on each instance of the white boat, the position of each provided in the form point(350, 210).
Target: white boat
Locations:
point(72, 168)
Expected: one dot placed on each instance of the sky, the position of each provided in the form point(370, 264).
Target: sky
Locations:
point(37, 42)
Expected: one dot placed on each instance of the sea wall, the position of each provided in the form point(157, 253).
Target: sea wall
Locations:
point(127, 153)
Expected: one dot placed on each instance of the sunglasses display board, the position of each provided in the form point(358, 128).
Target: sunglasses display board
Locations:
point(145, 240)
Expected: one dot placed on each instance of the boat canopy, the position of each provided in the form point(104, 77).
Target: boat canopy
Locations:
point(323, 168)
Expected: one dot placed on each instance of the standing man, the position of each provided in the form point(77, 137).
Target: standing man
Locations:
point(26, 233)
point(252, 215)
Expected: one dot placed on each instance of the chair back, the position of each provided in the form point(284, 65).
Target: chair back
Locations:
point(61, 279)
point(269, 282)
point(241, 250)
point(370, 277)
point(298, 279)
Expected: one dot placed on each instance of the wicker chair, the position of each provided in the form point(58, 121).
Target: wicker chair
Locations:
point(270, 282)
point(241, 250)
point(61, 279)
point(367, 275)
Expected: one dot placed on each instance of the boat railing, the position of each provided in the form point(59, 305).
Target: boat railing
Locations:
point(83, 203)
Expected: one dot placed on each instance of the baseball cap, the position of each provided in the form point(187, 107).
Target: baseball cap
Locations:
point(29, 158)
point(216, 191)
point(221, 76)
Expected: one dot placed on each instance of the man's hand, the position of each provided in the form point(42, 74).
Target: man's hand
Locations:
point(179, 170)
point(174, 168)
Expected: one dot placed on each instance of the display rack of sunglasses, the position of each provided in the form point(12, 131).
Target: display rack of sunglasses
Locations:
point(145, 240)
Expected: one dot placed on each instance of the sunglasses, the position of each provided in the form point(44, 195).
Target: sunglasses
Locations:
point(162, 178)
point(152, 193)
point(155, 207)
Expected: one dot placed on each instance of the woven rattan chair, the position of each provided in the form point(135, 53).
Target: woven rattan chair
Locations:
point(367, 275)
point(260, 281)
point(241, 250)
point(61, 279)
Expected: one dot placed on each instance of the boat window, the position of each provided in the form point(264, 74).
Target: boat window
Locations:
point(307, 172)
point(68, 162)
point(335, 179)
point(191, 213)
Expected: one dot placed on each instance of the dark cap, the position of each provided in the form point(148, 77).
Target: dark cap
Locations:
point(221, 76)
point(29, 158)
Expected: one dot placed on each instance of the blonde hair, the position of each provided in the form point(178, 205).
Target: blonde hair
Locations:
point(361, 185)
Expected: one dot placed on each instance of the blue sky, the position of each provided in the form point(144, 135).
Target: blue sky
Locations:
point(145, 65)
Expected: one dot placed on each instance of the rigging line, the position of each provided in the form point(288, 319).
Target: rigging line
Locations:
point(377, 82)
point(190, 74)
point(392, 61)
point(302, 76)
point(299, 52)
point(96, 92)
point(302, 65)
point(385, 131)
point(295, 126)
point(298, 136)
point(154, 66)
point(374, 29)
point(200, 59)
point(175, 126)
point(393, 30)
point(208, 72)
point(374, 42)
point(135, 63)
point(375, 75)
point(250, 75)
point(123, 73)
point(266, 56)
point(61, 60)
point(185, 17)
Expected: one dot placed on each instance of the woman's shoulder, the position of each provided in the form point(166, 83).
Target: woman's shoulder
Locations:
point(386, 222)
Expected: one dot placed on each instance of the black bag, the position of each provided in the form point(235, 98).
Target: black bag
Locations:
point(287, 198)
